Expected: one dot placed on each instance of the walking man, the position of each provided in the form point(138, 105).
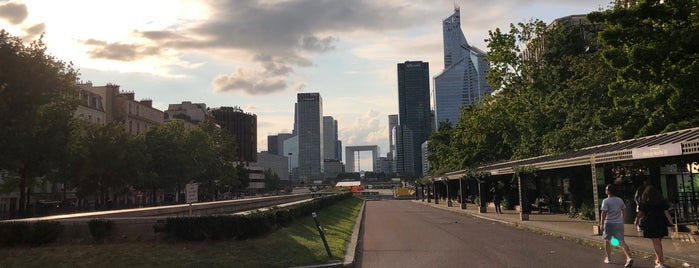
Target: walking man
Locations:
point(612, 224)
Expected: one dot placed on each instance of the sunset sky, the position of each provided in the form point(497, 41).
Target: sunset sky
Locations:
point(258, 54)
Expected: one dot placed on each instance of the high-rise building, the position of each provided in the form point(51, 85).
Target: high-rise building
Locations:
point(330, 138)
point(462, 82)
point(392, 123)
point(310, 132)
point(413, 117)
point(275, 143)
point(243, 128)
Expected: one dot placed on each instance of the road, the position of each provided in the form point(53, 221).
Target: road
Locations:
point(401, 233)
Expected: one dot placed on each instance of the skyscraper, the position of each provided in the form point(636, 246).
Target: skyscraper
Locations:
point(310, 133)
point(462, 82)
point(243, 128)
point(413, 116)
point(330, 138)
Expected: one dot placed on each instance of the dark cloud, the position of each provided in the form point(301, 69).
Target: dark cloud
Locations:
point(36, 29)
point(119, 51)
point(279, 34)
point(252, 84)
point(13, 12)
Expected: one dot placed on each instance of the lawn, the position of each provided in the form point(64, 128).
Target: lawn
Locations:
point(296, 245)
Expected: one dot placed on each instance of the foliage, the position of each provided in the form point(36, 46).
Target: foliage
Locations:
point(34, 234)
point(651, 48)
point(39, 97)
point(100, 228)
point(44, 232)
point(272, 181)
point(587, 211)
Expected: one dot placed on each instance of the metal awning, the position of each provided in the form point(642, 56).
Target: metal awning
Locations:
point(681, 142)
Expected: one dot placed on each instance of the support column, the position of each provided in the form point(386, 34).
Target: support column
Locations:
point(481, 196)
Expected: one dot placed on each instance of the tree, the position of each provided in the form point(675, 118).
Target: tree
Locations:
point(39, 97)
point(272, 181)
point(651, 46)
point(105, 161)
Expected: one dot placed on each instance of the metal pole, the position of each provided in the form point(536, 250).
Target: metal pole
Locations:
point(322, 234)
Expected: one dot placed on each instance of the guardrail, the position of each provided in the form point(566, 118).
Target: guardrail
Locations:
point(204, 208)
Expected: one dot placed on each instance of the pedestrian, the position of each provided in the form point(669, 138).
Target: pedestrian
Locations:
point(496, 199)
point(654, 218)
point(637, 198)
point(612, 224)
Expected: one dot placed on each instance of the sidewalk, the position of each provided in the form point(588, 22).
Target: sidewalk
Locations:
point(680, 249)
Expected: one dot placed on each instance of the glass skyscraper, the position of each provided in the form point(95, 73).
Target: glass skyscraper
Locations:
point(413, 116)
point(310, 134)
point(462, 82)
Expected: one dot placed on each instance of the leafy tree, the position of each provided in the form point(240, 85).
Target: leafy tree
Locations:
point(653, 53)
point(272, 181)
point(105, 161)
point(39, 97)
point(169, 163)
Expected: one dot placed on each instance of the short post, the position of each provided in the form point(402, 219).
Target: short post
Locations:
point(322, 234)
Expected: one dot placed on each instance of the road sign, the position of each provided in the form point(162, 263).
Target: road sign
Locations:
point(192, 190)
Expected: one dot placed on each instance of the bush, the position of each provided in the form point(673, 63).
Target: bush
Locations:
point(14, 233)
point(587, 212)
point(100, 228)
point(44, 232)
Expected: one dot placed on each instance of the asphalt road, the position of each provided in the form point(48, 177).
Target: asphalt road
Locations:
point(401, 233)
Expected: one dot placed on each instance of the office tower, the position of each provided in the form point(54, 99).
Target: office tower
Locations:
point(413, 116)
point(462, 82)
point(330, 138)
point(392, 123)
point(310, 133)
point(243, 128)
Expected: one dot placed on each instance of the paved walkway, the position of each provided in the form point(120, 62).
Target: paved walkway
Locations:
point(680, 249)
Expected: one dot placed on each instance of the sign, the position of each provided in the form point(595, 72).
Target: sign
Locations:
point(192, 190)
point(657, 151)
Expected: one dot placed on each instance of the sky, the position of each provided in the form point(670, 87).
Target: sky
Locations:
point(258, 54)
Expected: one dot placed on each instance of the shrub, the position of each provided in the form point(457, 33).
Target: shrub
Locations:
point(100, 228)
point(44, 232)
point(14, 233)
point(587, 212)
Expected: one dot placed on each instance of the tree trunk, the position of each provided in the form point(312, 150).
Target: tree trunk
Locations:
point(22, 209)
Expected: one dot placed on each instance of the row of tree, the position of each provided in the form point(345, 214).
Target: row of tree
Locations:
point(41, 140)
point(625, 72)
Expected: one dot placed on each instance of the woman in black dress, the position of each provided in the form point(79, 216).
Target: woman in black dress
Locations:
point(653, 209)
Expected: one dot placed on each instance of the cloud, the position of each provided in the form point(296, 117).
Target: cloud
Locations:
point(120, 51)
point(13, 12)
point(252, 83)
point(281, 36)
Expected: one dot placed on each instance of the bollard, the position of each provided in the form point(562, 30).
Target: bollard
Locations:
point(322, 234)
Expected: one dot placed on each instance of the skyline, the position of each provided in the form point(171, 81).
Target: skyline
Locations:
point(259, 54)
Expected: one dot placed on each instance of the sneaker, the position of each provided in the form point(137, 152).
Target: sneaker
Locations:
point(606, 260)
point(659, 265)
point(629, 263)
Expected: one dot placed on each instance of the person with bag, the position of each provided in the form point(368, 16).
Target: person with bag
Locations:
point(654, 218)
point(612, 224)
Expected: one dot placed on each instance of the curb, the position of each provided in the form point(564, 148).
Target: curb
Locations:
point(350, 253)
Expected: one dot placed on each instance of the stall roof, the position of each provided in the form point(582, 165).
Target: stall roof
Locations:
point(681, 142)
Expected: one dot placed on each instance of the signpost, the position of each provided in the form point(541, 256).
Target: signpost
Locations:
point(192, 193)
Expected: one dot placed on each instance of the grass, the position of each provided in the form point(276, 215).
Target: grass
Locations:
point(296, 245)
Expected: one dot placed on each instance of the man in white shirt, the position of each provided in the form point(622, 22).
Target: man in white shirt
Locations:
point(612, 224)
